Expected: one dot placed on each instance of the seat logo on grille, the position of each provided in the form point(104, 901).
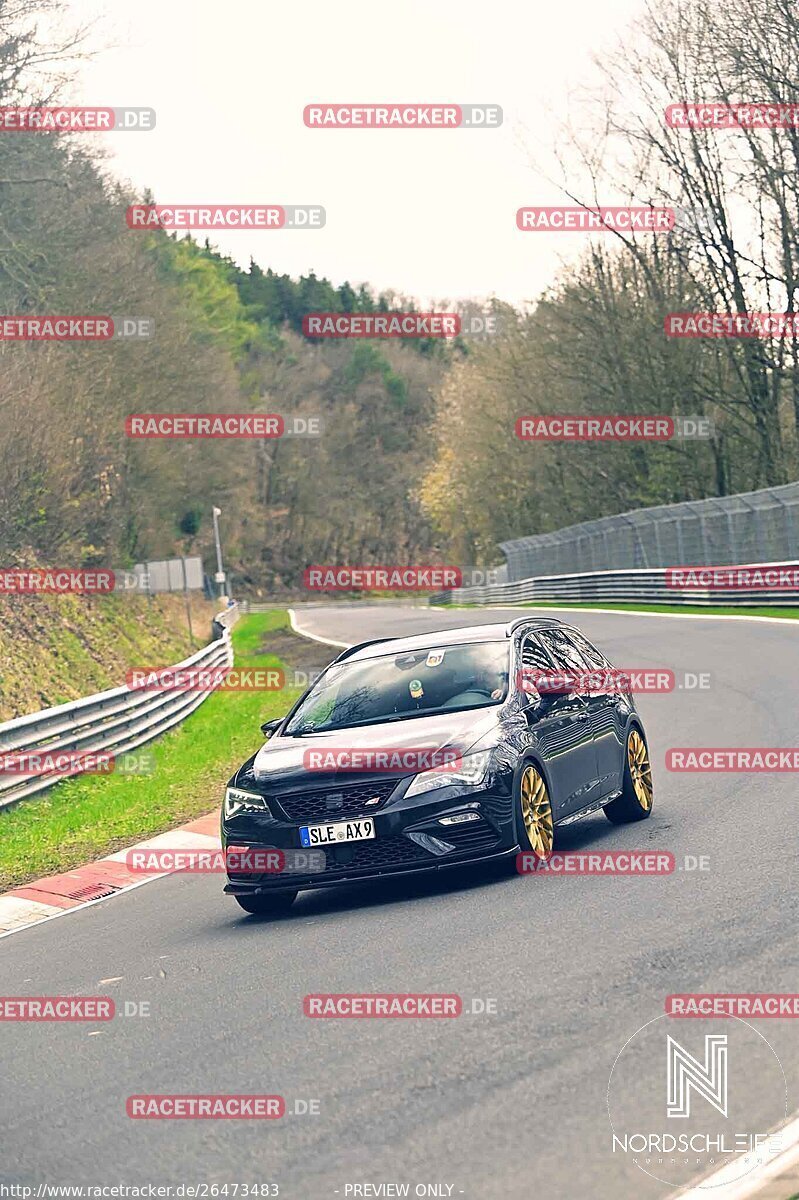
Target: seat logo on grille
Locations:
point(334, 802)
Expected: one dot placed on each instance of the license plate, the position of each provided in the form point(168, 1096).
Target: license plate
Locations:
point(341, 831)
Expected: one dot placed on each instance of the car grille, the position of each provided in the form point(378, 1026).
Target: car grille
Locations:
point(352, 858)
point(374, 855)
point(387, 853)
point(334, 804)
point(470, 838)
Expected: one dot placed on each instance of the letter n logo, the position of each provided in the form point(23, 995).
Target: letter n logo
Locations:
point(708, 1079)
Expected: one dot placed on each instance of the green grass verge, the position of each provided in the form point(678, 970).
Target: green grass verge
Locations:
point(708, 609)
point(87, 817)
point(59, 648)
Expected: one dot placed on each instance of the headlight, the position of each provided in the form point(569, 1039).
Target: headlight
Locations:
point(472, 772)
point(237, 801)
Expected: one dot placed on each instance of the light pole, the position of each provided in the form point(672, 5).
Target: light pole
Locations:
point(220, 574)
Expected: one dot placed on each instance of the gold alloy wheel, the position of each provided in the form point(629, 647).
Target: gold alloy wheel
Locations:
point(640, 769)
point(537, 813)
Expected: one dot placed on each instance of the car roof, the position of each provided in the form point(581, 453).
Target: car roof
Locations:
point(491, 632)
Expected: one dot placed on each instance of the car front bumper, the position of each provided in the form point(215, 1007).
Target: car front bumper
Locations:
point(410, 838)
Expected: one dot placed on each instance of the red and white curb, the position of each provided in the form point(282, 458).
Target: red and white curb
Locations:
point(56, 895)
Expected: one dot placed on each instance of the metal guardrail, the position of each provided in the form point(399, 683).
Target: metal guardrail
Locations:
point(114, 721)
point(646, 586)
point(226, 619)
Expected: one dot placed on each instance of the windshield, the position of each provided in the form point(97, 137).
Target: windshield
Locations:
point(400, 686)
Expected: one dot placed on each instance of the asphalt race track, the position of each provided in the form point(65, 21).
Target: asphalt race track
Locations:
point(511, 1103)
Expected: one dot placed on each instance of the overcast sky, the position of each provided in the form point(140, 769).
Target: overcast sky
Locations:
point(430, 213)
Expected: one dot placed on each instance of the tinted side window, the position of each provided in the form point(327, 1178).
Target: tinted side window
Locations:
point(589, 653)
point(566, 654)
point(534, 655)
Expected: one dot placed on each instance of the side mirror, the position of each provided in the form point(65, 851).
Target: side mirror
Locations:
point(269, 727)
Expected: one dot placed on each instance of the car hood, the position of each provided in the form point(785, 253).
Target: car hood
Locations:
point(281, 759)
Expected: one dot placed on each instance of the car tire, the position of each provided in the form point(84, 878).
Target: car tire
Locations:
point(534, 818)
point(635, 801)
point(273, 905)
